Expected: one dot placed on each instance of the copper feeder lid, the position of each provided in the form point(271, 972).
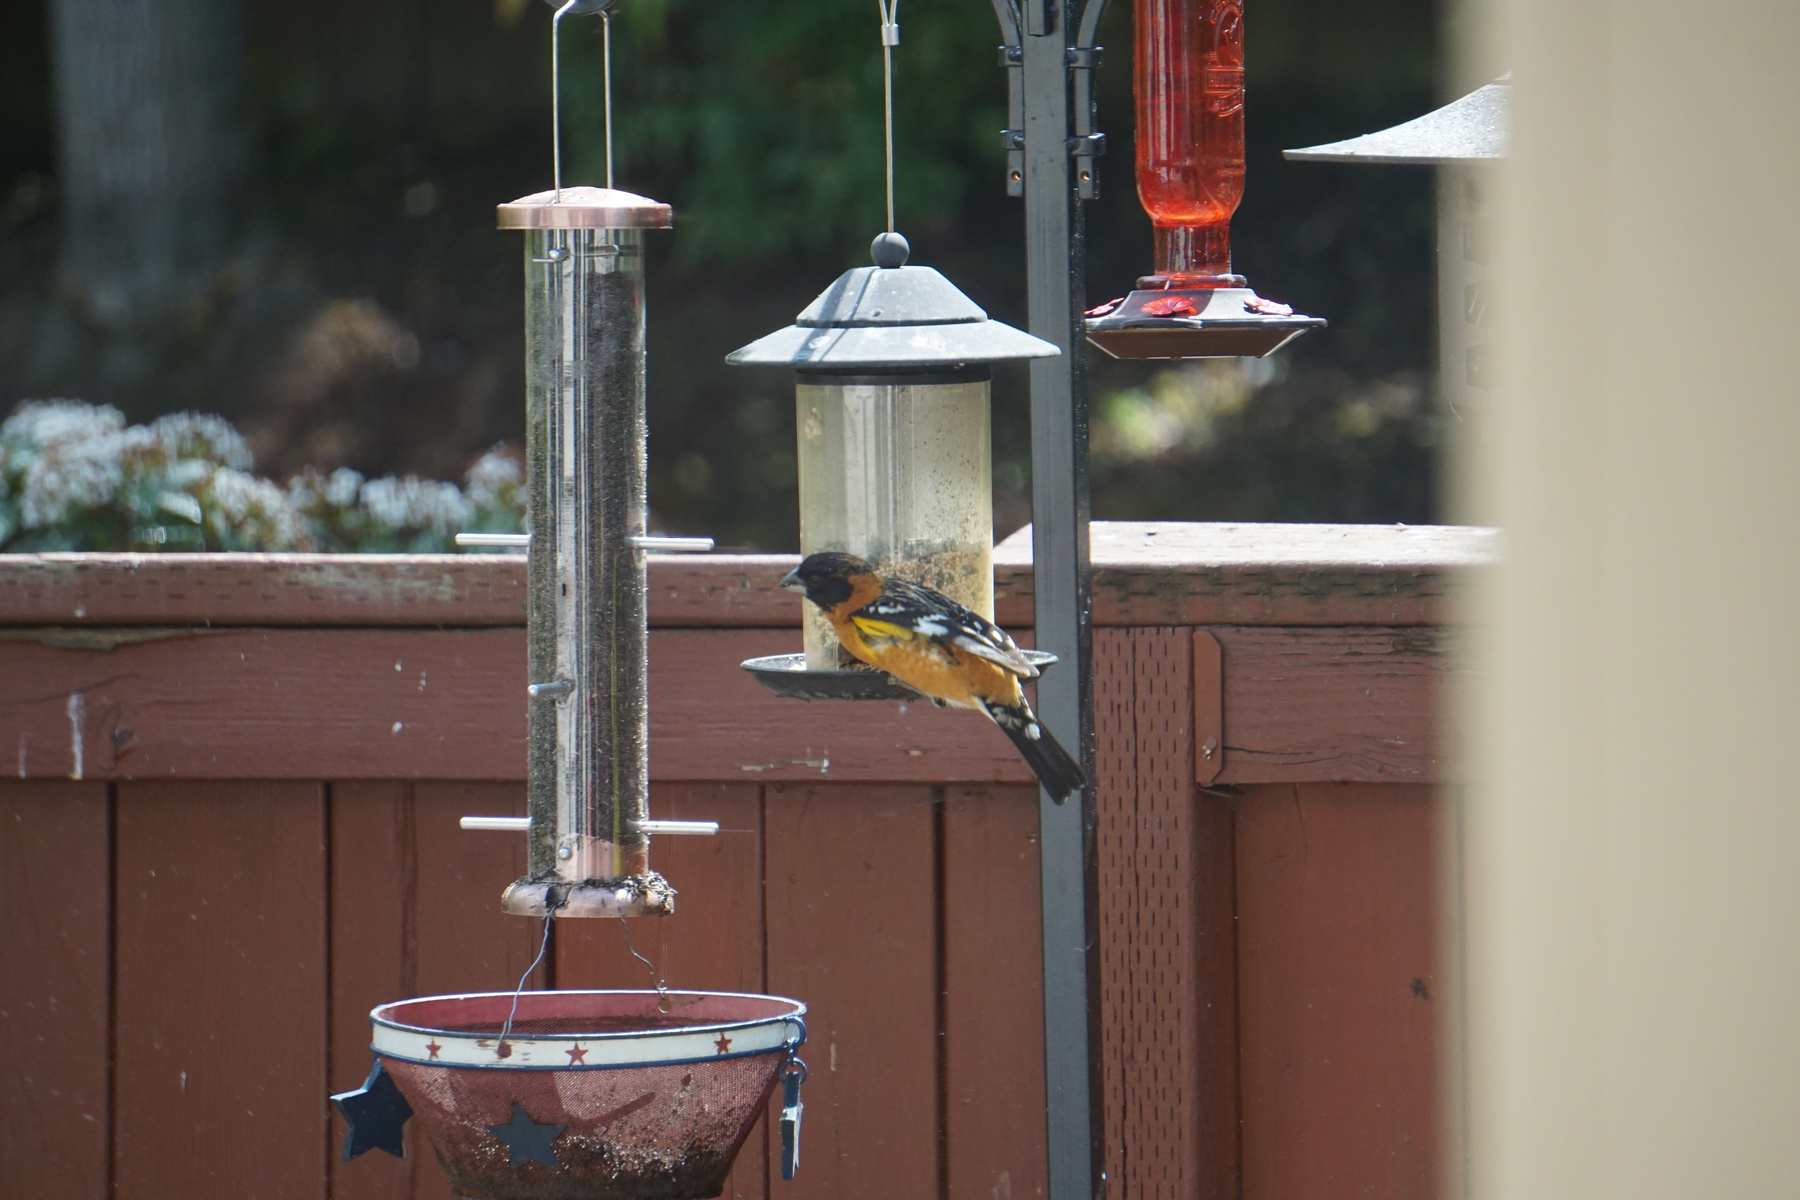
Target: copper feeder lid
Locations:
point(585, 208)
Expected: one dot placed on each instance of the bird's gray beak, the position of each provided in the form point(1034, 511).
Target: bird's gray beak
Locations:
point(791, 581)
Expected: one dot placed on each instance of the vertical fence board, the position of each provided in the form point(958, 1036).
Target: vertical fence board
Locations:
point(994, 998)
point(714, 941)
point(374, 959)
point(1217, 1114)
point(851, 910)
point(1162, 1074)
point(55, 892)
point(220, 990)
point(466, 944)
point(1115, 784)
point(1337, 939)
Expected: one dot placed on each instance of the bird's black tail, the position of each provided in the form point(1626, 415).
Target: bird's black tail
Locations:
point(1056, 768)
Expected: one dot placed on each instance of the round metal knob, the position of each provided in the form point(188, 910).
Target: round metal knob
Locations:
point(889, 250)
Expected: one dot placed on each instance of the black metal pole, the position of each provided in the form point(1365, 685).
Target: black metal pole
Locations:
point(1056, 290)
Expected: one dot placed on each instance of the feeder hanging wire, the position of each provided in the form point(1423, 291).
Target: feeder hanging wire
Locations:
point(556, 97)
point(890, 37)
point(656, 981)
point(550, 916)
point(606, 83)
point(556, 93)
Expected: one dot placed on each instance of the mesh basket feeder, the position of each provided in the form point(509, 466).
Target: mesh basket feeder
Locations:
point(591, 1095)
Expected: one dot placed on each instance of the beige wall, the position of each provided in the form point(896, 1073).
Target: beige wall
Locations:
point(1634, 837)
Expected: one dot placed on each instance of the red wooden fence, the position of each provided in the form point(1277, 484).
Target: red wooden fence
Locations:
point(228, 829)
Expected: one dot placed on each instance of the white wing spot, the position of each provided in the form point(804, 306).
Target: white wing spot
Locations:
point(1031, 731)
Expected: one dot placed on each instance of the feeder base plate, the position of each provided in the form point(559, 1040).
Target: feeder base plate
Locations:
point(1219, 322)
point(786, 675)
point(620, 898)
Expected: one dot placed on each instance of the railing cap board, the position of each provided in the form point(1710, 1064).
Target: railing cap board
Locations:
point(1182, 545)
point(1145, 573)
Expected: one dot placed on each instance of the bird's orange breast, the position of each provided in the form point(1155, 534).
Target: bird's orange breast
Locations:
point(947, 673)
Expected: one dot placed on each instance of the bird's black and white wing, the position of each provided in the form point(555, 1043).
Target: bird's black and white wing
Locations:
point(911, 609)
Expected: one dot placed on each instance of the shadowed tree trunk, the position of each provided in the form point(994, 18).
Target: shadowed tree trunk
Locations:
point(152, 154)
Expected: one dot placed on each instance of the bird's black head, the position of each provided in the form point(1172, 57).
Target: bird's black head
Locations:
point(828, 579)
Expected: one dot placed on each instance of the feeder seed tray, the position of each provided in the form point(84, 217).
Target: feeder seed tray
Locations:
point(786, 675)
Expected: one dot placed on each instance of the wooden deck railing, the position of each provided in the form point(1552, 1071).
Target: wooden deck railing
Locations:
point(228, 829)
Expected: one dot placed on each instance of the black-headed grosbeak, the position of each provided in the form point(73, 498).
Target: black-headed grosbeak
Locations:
point(936, 646)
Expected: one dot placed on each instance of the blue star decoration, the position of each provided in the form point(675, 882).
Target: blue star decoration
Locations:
point(374, 1114)
point(526, 1140)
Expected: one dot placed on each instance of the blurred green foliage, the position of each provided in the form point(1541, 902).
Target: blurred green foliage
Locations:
point(767, 118)
point(372, 321)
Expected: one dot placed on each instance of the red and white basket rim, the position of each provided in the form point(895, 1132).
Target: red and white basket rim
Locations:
point(724, 1025)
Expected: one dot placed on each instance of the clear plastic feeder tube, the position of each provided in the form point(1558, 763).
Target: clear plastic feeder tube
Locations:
point(588, 770)
point(897, 469)
point(584, 330)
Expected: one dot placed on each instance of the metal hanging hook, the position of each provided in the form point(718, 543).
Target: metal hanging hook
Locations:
point(579, 8)
point(606, 83)
point(556, 95)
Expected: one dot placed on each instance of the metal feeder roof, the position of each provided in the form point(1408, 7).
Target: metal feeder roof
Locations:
point(585, 208)
point(1471, 129)
point(891, 318)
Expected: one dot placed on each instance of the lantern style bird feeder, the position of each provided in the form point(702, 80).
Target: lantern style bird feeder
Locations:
point(583, 1095)
point(1190, 178)
point(892, 367)
point(1462, 140)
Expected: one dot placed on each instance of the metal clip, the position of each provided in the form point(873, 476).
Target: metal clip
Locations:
point(556, 689)
point(791, 1111)
point(1012, 139)
point(557, 254)
point(1087, 144)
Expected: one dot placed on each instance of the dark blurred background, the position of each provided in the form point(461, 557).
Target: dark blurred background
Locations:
point(283, 213)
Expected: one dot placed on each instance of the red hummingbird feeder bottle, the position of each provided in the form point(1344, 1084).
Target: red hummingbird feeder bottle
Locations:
point(1189, 89)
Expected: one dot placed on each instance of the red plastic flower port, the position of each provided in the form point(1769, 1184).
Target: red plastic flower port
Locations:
point(1170, 306)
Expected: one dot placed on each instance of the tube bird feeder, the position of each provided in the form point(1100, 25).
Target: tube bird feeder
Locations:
point(583, 1095)
point(892, 366)
point(1190, 177)
point(586, 621)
